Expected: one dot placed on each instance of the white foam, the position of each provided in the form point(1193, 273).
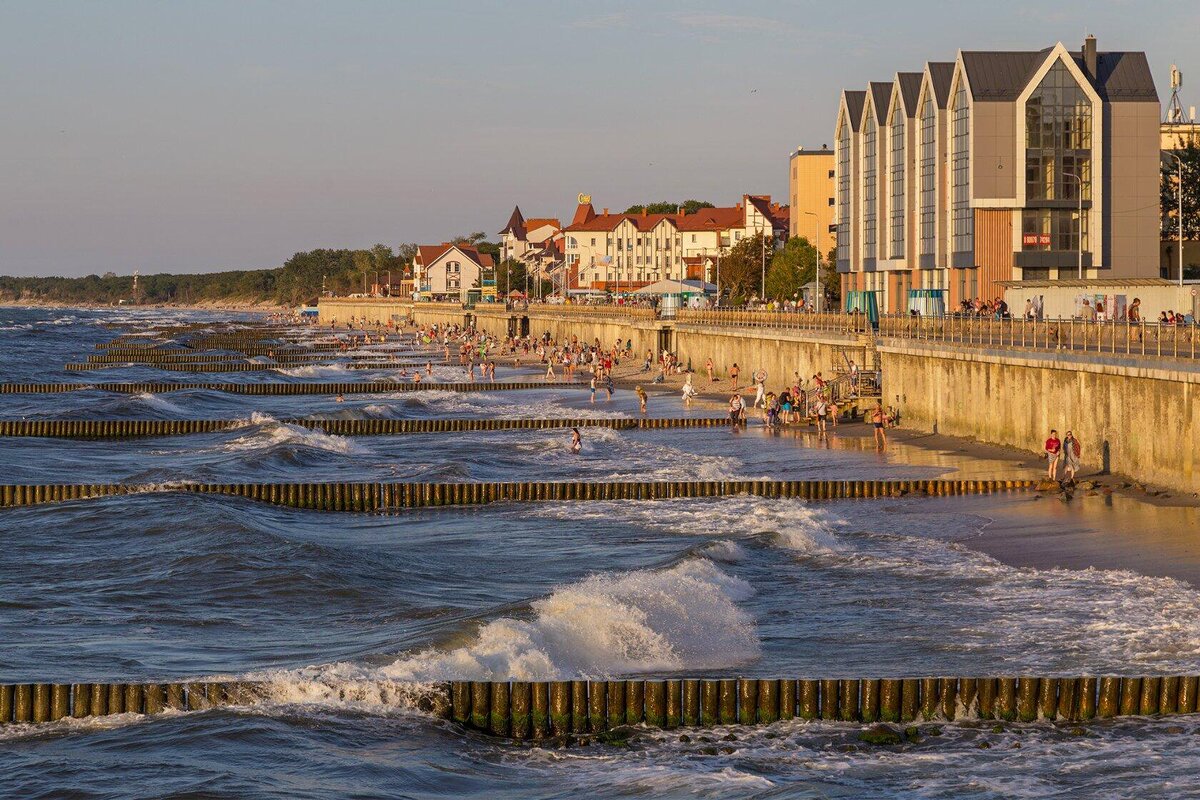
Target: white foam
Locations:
point(683, 617)
point(314, 371)
point(271, 434)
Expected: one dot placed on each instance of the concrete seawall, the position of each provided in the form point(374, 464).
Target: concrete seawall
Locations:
point(1132, 416)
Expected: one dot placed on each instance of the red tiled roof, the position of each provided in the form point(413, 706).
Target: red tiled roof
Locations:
point(429, 253)
point(538, 222)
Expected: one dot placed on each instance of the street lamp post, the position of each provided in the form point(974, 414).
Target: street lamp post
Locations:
point(1079, 216)
point(1179, 210)
point(817, 250)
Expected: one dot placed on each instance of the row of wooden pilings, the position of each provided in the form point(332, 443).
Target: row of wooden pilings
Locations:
point(130, 428)
point(278, 354)
point(363, 387)
point(396, 496)
point(542, 709)
point(48, 702)
point(535, 710)
point(249, 366)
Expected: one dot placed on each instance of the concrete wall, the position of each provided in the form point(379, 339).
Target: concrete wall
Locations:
point(781, 354)
point(1145, 414)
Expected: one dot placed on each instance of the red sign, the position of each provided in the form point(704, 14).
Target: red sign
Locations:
point(1035, 239)
point(1044, 239)
point(1029, 238)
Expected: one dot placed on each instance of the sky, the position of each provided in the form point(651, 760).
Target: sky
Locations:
point(195, 136)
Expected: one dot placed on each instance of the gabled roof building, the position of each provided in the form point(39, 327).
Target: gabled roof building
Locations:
point(999, 166)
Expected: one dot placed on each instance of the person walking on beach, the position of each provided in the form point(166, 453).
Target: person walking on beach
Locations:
point(550, 371)
point(879, 419)
point(734, 371)
point(576, 441)
point(689, 391)
point(1053, 450)
point(760, 388)
point(736, 409)
point(641, 393)
point(708, 367)
point(822, 411)
point(1071, 452)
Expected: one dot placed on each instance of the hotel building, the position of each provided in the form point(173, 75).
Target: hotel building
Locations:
point(998, 166)
point(811, 197)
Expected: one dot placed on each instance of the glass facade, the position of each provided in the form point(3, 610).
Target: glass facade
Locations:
point(897, 165)
point(962, 217)
point(928, 165)
point(869, 185)
point(843, 194)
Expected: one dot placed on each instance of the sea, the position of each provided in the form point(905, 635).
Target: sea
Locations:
point(345, 615)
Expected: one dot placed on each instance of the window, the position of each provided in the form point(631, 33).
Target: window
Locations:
point(831, 174)
point(693, 238)
point(1053, 229)
point(843, 194)
point(593, 241)
point(869, 186)
point(831, 202)
point(1058, 139)
point(962, 217)
point(928, 171)
point(896, 162)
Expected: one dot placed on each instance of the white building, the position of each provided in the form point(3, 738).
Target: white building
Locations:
point(449, 271)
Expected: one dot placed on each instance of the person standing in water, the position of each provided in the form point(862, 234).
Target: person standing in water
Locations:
point(641, 393)
point(576, 441)
point(689, 391)
point(592, 386)
point(879, 419)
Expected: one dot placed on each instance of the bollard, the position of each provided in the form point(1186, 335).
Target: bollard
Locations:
point(656, 703)
point(929, 698)
point(116, 698)
point(787, 699)
point(1110, 694)
point(596, 705)
point(948, 689)
point(23, 702)
point(579, 706)
point(968, 689)
point(1048, 697)
point(500, 712)
point(1085, 699)
point(727, 705)
point(616, 704)
point(868, 708)
point(1148, 706)
point(889, 700)
point(848, 701)
point(1006, 699)
point(460, 702)
point(560, 708)
point(1187, 694)
point(910, 699)
point(1131, 690)
point(635, 702)
point(539, 711)
point(153, 693)
point(810, 699)
point(481, 704)
point(747, 701)
point(60, 701)
point(709, 693)
point(1068, 707)
point(674, 698)
point(1027, 696)
point(520, 703)
point(987, 698)
point(82, 701)
point(41, 702)
point(829, 699)
point(98, 706)
point(1168, 696)
point(690, 703)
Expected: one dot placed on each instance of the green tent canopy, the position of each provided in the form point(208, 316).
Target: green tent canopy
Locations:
point(864, 302)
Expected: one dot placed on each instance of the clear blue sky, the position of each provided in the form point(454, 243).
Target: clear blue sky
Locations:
point(188, 136)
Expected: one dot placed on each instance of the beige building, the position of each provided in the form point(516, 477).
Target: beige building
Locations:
point(810, 196)
point(616, 252)
point(449, 271)
point(999, 166)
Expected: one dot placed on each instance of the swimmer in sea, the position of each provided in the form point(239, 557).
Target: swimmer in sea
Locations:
point(576, 441)
point(339, 398)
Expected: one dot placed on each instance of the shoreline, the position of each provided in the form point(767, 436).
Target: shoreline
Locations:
point(211, 306)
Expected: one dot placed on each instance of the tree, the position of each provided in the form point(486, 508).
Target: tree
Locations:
point(831, 281)
point(1169, 200)
point(741, 268)
point(469, 238)
point(792, 267)
point(510, 276)
point(692, 206)
point(661, 207)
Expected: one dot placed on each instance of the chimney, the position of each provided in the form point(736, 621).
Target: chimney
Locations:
point(645, 213)
point(1089, 56)
point(606, 212)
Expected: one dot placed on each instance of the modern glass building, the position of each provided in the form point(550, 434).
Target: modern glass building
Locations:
point(999, 166)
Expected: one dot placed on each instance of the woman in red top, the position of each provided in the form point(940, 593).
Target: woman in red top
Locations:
point(1053, 451)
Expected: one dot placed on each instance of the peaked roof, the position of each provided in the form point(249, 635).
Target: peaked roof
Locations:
point(516, 224)
point(1124, 76)
point(881, 94)
point(854, 106)
point(429, 253)
point(910, 88)
point(1001, 75)
point(583, 213)
point(534, 223)
point(940, 75)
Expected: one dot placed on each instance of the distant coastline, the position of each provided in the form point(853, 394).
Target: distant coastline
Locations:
point(207, 305)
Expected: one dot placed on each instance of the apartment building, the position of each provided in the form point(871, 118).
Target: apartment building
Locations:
point(453, 272)
point(811, 196)
point(621, 252)
point(998, 166)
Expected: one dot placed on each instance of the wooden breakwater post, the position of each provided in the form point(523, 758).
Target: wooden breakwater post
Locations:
point(398, 496)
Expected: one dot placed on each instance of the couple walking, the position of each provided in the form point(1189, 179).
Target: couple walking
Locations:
point(1064, 452)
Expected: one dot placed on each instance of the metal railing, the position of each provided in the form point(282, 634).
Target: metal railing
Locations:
point(781, 320)
point(1117, 337)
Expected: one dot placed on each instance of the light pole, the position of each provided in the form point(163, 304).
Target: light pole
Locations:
point(763, 239)
point(1179, 210)
point(817, 250)
point(1079, 181)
